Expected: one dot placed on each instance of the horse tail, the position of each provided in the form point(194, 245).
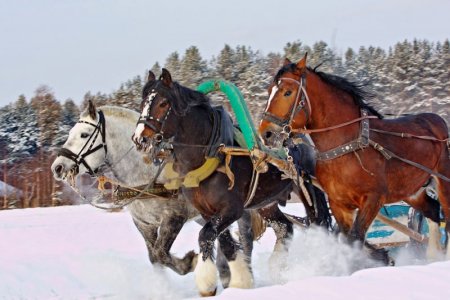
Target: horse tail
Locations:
point(258, 225)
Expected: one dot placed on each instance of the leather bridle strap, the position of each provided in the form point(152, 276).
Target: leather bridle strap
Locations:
point(301, 100)
point(146, 119)
point(79, 158)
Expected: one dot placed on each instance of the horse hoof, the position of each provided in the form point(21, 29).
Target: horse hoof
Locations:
point(208, 294)
point(391, 262)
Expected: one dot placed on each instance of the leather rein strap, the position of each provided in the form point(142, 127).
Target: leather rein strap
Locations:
point(361, 142)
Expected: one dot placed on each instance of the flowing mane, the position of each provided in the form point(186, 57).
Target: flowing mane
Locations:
point(181, 98)
point(356, 90)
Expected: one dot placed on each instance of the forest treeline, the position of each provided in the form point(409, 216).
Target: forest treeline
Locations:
point(409, 77)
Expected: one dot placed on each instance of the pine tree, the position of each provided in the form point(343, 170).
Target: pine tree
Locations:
point(48, 111)
point(98, 99)
point(225, 64)
point(69, 117)
point(156, 69)
point(293, 51)
point(173, 64)
point(193, 68)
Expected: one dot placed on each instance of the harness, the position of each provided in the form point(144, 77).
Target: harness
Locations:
point(219, 136)
point(361, 142)
point(301, 100)
point(144, 119)
point(80, 158)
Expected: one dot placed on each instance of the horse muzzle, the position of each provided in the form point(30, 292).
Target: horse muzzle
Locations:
point(62, 171)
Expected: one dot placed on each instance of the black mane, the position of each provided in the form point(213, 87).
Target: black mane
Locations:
point(181, 98)
point(355, 89)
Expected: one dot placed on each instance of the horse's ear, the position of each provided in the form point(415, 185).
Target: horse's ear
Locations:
point(166, 78)
point(287, 61)
point(302, 62)
point(92, 110)
point(151, 76)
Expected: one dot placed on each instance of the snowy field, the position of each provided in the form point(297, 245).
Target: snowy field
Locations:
point(80, 252)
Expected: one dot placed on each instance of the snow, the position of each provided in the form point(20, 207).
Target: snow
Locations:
point(80, 252)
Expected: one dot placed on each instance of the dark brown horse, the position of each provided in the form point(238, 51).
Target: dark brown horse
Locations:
point(185, 118)
point(363, 160)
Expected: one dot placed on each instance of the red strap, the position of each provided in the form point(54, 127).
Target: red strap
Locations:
point(308, 131)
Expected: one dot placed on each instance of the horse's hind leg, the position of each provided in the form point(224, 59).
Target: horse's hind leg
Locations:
point(280, 224)
point(430, 208)
point(284, 232)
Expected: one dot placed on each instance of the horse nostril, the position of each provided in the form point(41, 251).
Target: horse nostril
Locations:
point(144, 139)
point(268, 134)
point(59, 170)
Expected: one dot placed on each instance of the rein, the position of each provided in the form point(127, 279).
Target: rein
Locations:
point(102, 180)
point(301, 100)
point(309, 131)
point(361, 142)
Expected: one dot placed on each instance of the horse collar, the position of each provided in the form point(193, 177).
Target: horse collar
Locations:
point(359, 143)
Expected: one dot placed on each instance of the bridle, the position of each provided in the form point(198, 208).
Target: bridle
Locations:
point(301, 101)
point(145, 119)
point(80, 158)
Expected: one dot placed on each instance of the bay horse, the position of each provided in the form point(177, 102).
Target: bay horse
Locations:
point(363, 160)
point(96, 144)
point(185, 118)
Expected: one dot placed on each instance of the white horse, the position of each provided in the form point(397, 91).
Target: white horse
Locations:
point(101, 140)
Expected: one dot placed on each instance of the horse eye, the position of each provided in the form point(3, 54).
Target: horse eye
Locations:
point(163, 103)
point(84, 135)
point(287, 94)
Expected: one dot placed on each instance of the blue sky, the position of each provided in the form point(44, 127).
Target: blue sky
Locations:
point(94, 45)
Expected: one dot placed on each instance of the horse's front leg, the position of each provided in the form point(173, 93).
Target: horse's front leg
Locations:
point(206, 271)
point(246, 234)
point(241, 275)
point(364, 217)
point(168, 231)
point(150, 234)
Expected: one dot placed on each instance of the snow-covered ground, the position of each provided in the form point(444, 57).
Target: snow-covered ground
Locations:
point(80, 252)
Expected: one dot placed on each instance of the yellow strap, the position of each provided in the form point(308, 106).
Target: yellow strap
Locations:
point(191, 179)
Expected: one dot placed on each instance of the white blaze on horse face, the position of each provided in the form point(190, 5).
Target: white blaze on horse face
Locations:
point(144, 114)
point(272, 95)
point(139, 130)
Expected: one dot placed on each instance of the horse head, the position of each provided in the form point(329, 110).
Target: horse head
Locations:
point(84, 150)
point(287, 99)
point(164, 104)
point(157, 107)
